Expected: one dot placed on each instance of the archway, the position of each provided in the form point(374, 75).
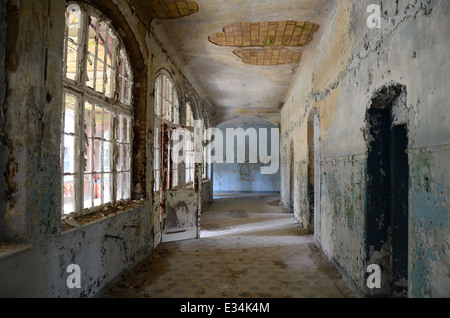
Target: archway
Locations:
point(387, 191)
point(313, 173)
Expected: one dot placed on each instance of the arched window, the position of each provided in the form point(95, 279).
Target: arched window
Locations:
point(96, 146)
point(167, 110)
point(167, 105)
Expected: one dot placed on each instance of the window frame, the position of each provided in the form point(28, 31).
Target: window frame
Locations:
point(166, 94)
point(116, 106)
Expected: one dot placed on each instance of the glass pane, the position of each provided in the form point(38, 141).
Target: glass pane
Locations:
point(69, 194)
point(128, 87)
point(99, 77)
point(110, 48)
point(87, 191)
point(121, 88)
point(108, 83)
point(106, 156)
point(90, 71)
point(69, 114)
point(97, 156)
point(126, 185)
point(71, 60)
point(107, 188)
point(98, 122)
point(106, 124)
point(157, 160)
point(92, 40)
point(125, 129)
point(97, 189)
point(119, 186)
point(88, 167)
point(125, 157)
point(73, 15)
point(119, 159)
point(102, 38)
point(88, 117)
point(69, 154)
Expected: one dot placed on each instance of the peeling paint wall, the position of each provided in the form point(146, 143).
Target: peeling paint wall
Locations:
point(3, 145)
point(35, 249)
point(351, 64)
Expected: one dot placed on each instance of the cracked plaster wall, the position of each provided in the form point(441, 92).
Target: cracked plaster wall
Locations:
point(31, 202)
point(340, 78)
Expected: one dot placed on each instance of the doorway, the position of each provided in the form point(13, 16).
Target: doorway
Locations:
point(387, 193)
point(313, 173)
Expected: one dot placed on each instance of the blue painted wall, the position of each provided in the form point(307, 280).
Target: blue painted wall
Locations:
point(245, 177)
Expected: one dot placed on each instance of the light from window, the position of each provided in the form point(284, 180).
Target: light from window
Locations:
point(96, 146)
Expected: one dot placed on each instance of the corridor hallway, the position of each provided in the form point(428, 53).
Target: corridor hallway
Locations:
point(249, 248)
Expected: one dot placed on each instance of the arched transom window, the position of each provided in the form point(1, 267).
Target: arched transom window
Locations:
point(96, 146)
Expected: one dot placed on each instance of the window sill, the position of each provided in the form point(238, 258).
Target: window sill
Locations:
point(99, 216)
point(8, 249)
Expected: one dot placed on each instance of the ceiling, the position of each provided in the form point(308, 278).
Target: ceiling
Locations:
point(241, 55)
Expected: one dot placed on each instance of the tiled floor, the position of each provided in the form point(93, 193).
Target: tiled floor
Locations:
point(249, 248)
